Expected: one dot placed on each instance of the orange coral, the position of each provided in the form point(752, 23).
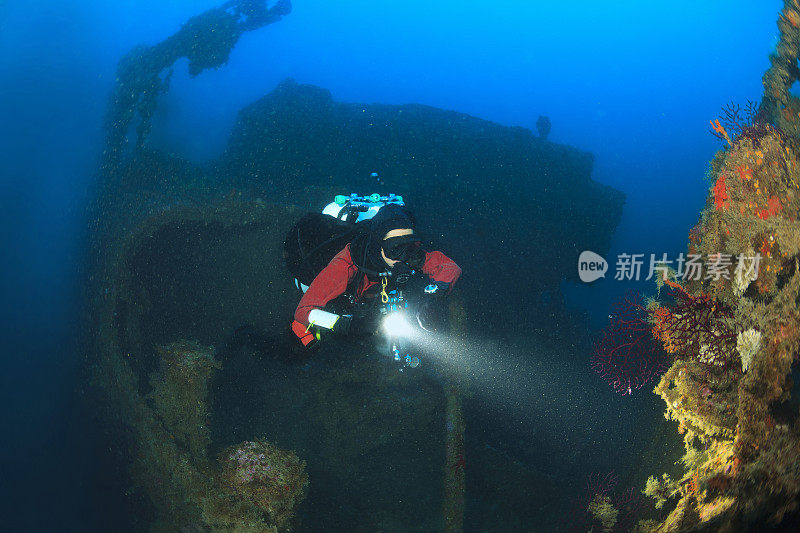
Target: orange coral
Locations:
point(766, 247)
point(717, 127)
point(693, 483)
point(674, 285)
point(744, 172)
point(695, 234)
point(661, 330)
point(737, 462)
point(773, 208)
point(792, 17)
point(721, 193)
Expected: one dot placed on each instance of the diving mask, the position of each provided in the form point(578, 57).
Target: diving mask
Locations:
point(401, 248)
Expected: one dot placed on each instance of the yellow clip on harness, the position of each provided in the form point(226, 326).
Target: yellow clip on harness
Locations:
point(384, 296)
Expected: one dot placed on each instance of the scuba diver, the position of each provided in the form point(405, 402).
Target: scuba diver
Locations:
point(383, 256)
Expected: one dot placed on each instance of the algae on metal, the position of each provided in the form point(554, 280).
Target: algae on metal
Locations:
point(740, 420)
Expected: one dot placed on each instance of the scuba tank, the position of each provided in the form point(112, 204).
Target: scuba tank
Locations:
point(356, 208)
point(317, 237)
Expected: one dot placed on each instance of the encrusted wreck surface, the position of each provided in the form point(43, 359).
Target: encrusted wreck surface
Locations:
point(736, 337)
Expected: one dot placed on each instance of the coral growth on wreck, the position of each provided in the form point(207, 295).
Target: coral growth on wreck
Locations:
point(733, 330)
point(272, 479)
point(179, 393)
point(627, 355)
point(730, 386)
point(603, 506)
point(252, 487)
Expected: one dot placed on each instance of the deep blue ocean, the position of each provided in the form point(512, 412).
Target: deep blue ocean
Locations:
point(633, 83)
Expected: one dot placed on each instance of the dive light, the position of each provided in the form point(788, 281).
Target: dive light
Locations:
point(397, 327)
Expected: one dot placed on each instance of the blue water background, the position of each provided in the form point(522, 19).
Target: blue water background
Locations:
point(634, 83)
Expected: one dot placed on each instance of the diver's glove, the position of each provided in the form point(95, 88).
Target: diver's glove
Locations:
point(342, 326)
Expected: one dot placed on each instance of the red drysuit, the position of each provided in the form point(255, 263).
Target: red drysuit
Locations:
point(336, 277)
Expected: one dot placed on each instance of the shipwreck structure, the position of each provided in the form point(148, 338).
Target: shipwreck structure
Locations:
point(184, 254)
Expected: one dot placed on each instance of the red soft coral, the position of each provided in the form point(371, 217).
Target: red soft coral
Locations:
point(773, 208)
point(721, 193)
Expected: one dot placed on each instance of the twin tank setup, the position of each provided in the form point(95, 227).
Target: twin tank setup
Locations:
point(394, 305)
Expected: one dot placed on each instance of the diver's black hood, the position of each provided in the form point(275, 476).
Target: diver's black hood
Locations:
point(365, 248)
